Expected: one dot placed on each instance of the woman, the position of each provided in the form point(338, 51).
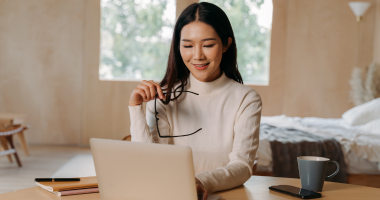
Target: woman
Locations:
point(224, 113)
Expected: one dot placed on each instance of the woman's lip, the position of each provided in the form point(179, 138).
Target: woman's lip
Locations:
point(201, 68)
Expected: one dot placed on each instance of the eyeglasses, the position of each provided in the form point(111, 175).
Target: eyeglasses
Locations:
point(156, 113)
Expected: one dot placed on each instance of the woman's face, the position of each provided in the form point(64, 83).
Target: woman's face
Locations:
point(201, 50)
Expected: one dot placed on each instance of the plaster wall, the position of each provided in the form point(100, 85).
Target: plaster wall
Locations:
point(376, 46)
point(41, 66)
point(320, 52)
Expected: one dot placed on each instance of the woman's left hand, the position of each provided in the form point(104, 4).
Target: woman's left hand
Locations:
point(201, 189)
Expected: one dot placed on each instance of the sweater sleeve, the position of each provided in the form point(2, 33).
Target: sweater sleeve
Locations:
point(143, 127)
point(245, 145)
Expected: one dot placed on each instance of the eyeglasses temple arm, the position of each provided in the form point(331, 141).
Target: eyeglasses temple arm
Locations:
point(179, 135)
point(155, 115)
point(182, 91)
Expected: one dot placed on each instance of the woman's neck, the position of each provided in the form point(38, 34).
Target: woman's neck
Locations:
point(208, 88)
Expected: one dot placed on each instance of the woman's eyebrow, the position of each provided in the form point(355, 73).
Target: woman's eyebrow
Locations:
point(209, 39)
point(206, 39)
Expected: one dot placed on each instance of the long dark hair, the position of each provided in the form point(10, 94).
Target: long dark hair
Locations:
point(177, 72)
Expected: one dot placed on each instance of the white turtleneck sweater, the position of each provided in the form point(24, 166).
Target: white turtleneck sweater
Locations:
point(228, 113)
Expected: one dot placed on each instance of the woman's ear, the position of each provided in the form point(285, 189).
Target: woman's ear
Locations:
point(228, 45)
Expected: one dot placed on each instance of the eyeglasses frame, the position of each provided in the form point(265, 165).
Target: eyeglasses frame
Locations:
point(156, 113)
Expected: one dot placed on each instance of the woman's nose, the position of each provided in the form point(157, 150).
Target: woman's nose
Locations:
point(198, 54)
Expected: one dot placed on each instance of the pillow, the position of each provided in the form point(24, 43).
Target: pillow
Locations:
point(372, 127)
point(364, 113)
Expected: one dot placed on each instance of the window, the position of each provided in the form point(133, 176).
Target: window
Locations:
point(251, 21)
point(136, 37)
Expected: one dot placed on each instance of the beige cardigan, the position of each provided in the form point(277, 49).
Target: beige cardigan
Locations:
point(229, 115)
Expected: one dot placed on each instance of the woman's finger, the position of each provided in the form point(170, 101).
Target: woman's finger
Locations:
point(205, 195)
point(146, 89)
point(155, 89)
point(141, 93)
point(152, 88)
point(159, 90)
point(202, 191)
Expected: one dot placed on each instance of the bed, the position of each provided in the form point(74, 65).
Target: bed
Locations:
point(359, 144)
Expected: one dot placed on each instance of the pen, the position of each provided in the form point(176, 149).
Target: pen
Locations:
point(56, 179)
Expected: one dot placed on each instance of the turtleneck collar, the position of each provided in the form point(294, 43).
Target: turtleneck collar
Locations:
point(208, 88)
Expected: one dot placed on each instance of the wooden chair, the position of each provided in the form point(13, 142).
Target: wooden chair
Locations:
point(21, 138)
point(127, 138)
point(17, 119)
point(7, 130)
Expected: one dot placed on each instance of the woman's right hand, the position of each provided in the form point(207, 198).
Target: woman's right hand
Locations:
point(144, 92)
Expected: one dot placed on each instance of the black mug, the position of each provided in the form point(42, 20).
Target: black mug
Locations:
point(312, 171)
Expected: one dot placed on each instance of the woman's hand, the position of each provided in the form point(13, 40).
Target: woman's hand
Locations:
point(144, 92)
point(201, 189)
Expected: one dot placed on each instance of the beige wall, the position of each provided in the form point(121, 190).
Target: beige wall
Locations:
point(49, 62)
point(376, 46)
point(320, 56)
point(182, 4)
point(41, 66)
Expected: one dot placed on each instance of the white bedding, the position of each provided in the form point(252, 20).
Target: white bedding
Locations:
point(361, 149)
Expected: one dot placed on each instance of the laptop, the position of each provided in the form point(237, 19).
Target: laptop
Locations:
point(133, 170)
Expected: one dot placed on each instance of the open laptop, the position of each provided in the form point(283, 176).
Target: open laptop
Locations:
point(133, 170)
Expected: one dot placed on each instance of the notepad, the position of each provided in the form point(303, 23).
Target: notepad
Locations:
point(85, 185)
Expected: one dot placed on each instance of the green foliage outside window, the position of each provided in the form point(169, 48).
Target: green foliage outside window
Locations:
point(136, 36)
point(134, 45)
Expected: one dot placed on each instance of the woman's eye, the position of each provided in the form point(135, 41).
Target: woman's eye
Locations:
point(209, 46)
point(187, 46)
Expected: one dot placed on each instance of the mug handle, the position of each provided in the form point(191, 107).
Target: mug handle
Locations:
point(336, 171)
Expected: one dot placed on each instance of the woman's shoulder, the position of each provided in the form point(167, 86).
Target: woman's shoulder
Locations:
point(244, 91)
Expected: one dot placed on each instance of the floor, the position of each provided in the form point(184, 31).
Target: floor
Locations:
point(43, 161)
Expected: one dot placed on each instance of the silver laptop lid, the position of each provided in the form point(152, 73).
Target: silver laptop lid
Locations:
point(132, 170)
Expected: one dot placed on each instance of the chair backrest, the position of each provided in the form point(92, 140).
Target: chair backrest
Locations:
point(127, 138)
point(5, 124)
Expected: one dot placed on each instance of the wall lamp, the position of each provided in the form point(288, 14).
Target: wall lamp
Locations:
point(359, 8)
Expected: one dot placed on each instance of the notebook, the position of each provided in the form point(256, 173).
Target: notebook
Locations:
point(85, 185)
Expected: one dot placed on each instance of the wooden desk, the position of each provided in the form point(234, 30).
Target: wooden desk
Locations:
point(254, 188)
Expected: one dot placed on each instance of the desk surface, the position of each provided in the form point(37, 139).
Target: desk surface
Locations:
point(255, 188)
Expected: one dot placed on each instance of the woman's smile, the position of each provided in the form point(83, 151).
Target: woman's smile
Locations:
point(201, 66)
